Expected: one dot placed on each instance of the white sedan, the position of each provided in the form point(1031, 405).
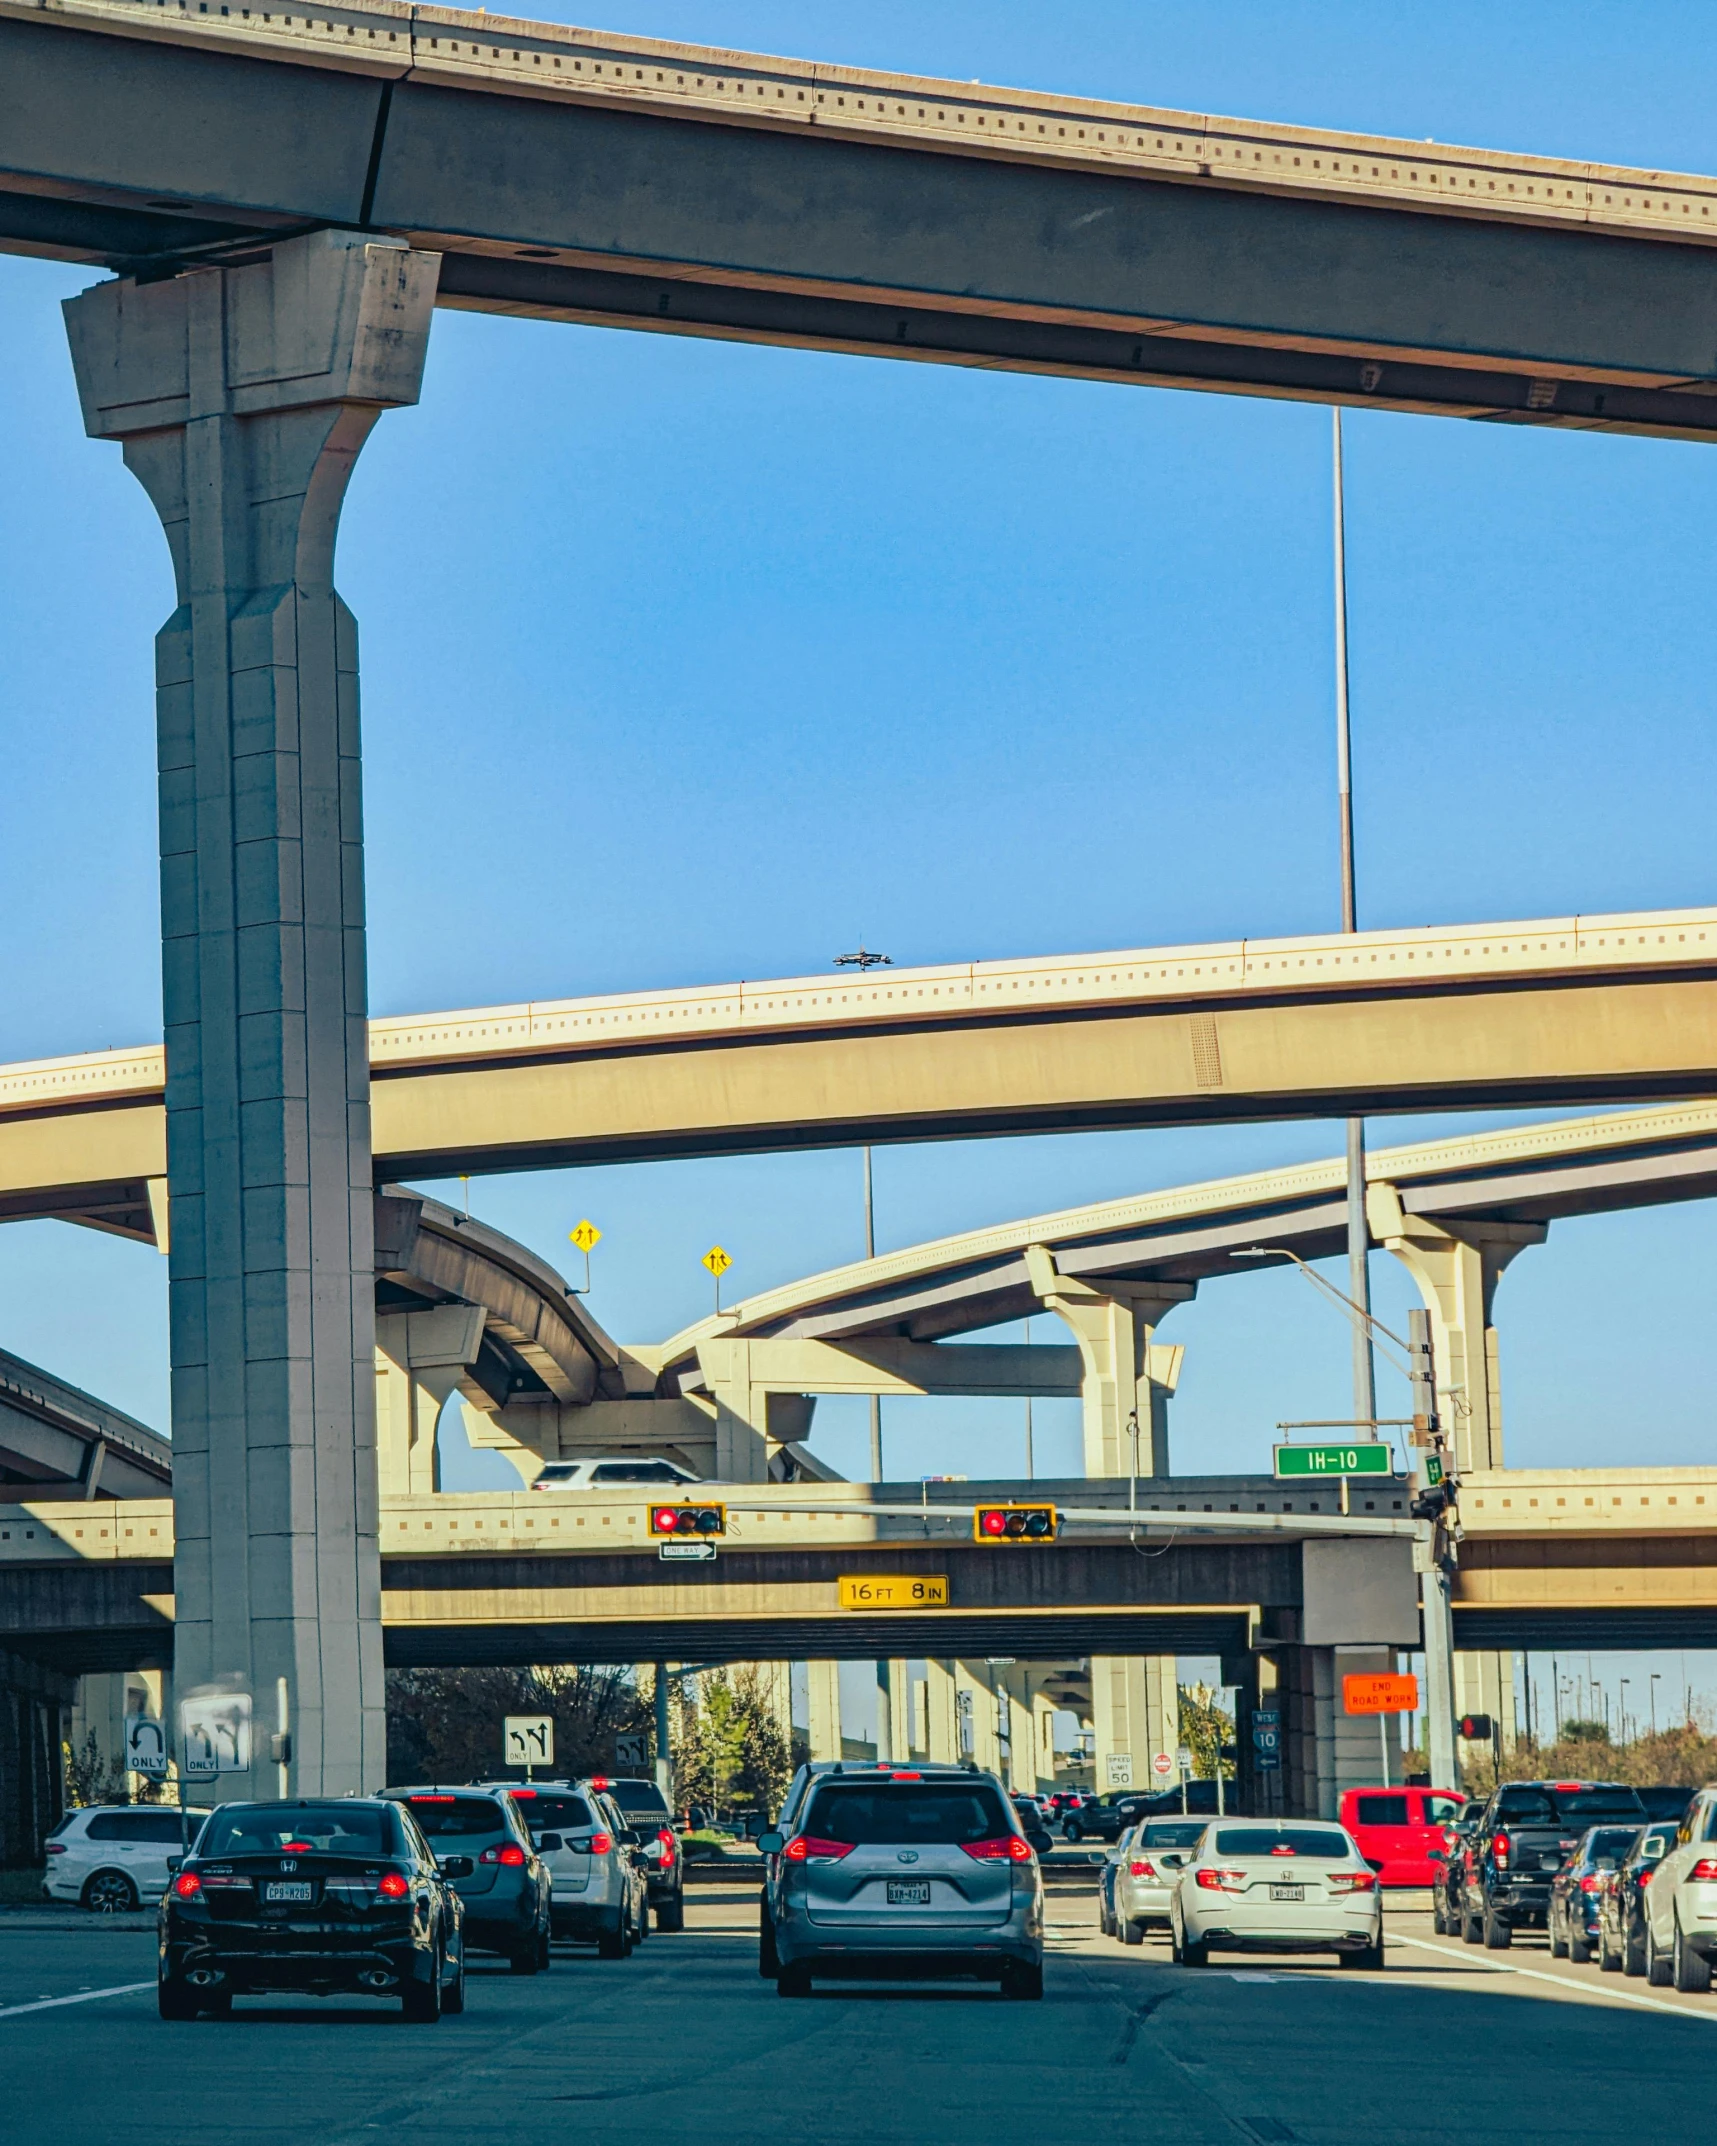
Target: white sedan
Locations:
point(1256, 1885)
point(1148, 1861)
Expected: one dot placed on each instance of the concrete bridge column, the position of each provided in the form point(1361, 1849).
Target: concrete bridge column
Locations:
point(1484, 1684)
point(1125, 1371)
point(1135, 1712)
point(977, 1708)
point(824, 1682)
point(942, 1714)
point(1043, 1712)
point(242, 397)
point(1457, 1269)
point(1022, 1742)
point(420, 1356)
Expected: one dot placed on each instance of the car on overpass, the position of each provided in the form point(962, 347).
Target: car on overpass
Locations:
point(504, 1885)
point(1259, 1885)
point(320, 1898)
point(601, 1471)
point(909, 1875)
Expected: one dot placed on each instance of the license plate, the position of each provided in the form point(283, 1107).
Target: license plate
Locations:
point(909, 1892)
point(1550, 1862)
point(1287, 1892)
point(286, 1890)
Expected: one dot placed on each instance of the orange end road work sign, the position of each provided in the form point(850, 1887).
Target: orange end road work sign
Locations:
point(1380, 1694)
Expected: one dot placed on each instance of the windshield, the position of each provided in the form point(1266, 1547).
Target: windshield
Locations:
point(1322, 1841)
point(319, 1828)
point(640, 1799)
point(1611, 1841)
point(939, 1816)
point(445, 1817)
point(1167, 1833)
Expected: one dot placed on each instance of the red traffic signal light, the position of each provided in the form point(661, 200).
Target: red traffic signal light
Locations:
point(1476, 1728)
point(691, 1520)
point(1014, 1523)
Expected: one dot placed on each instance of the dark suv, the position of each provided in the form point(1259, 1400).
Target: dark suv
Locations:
point(506, 1891)
point(1528, 1831)
point(645, 1810)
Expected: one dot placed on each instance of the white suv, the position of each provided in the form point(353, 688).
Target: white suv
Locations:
point(113, 1857)
point(600, 1470)
point(1681, 1903)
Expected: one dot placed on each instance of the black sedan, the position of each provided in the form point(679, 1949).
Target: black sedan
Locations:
point(322, 1899)
point(1621, 1906)
point(1578, 1888)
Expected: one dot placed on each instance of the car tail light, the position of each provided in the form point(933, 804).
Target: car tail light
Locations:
point(599, 1782)
point(297, 1847)
point(515, 1793)
point(1282, 1848)
point(1499, 1848)
point(509, 1853)
point(391, 1886)
point(1593, 1885)
point(1645, 1877)
point(1704, 1872)
point(667, 1840)
point(602, 1844)
point(1222, 1881)
point(804, 1845)
point(900, 1776)
point(414, 1801)
point(56, 1847)
point(1005, 1848)
point(1140, 1868)
point(1352, 1881)
point(188, 1886)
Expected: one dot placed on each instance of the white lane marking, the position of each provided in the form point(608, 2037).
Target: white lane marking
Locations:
point(1251, 1974)
point(49, 2004)
point(1599, 1990)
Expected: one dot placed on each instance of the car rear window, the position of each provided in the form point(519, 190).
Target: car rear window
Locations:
point(445, 1817)
point(1381, 1810)
point(555, 1812)
point(931, 1815)
point(640, 1799)
point(1612, 1841)
point(324, 1828)
point(1166, 1833)
point(1321, 1841)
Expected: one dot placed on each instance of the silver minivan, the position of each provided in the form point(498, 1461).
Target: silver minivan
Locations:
point(589, 1851)
point(893, 1875)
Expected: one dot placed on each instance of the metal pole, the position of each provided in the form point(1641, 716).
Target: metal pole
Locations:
point(1358, 1232)
point(1383, 1744)
point(870, 1253)
point(1030, 1461)
point(664, 1755)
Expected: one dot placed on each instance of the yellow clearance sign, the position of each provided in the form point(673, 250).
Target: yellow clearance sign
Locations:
point(893, 1590)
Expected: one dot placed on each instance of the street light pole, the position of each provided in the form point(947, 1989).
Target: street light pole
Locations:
point(1358, 1229)
point(864, 960)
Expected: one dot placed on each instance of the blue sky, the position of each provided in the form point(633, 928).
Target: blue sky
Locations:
point(688, 661)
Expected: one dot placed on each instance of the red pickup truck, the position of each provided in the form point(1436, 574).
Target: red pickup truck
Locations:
point(1397, 1828)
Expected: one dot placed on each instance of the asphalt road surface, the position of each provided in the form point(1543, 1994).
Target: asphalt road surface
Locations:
point(685, 2041)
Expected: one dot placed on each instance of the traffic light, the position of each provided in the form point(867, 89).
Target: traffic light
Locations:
point(688, 1520)
point(1476, 1728)
point(1433, 1503)
point(1014, 1523)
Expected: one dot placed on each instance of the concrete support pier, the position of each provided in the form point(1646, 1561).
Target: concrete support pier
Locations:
point(241, 396)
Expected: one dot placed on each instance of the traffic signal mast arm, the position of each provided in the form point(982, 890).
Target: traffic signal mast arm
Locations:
point(1173, 1523)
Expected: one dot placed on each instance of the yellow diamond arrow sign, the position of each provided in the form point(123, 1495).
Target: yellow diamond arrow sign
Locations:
point(587, 1236)
point(717, 1261)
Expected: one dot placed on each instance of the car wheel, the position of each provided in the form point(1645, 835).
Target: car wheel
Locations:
point(1497, 1934)
point(793, 1980)
point(1633, 1953)
point(174, 2001)
point(1071, 1831)
point(1609, 1960)
point(109, 1892)
point(1472, 1930)
point(768, 1960)
point(1440, 1916)
point(671, 1914)
point(1691, 1970)
point(421, 2001)
point(1558, 1945)
point(545, 1957)
point(1105, 1922)
point(1022, 1984)
point(1658, 1966)
point(1579, 1949)
point(453, 1996)
point(527, 1960)
point(1371, 1958)
point(611, 1944)
point(1132, 1933)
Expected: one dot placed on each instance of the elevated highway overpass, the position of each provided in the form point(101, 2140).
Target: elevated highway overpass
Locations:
point(636, 182)
point(1562, 1012)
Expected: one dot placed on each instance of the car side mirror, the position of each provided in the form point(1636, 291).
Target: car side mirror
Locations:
point(173, 1862)
point(631, 1838)
point(547, 1843)
point(456, 1866)
point(771, 1843)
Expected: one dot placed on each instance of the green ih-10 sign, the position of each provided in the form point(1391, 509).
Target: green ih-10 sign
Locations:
point(1368, 1456)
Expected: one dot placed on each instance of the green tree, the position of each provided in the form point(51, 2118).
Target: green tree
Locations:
point(1205, 1727)
point(445, 1724)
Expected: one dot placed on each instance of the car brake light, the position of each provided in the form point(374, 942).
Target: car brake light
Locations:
point(1590, 1885)
point(1139, 1868)
point(602, 1844)
point(1221, 1881)
point(297, 1847)
point(1569, 1788)
point(1704, 1872)
point(1005, 1848)
point(414, 1801)
point(900, 1776)
point(803, 1845)
point(391, 1886)
point(188, 1886)
point(509, 1853)
point(1645, 1877)
point(599, 1782)
point(1499, 1847)
point(1352, 1881)
point(667, 1841)
point(517, 1792)
point(1282, 1848)
point(56, 1847)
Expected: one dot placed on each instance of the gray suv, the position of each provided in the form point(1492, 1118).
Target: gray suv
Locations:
point(506, 1891)
point(895, 1875)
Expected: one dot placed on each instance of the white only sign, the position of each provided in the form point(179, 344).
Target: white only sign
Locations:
point(146, 1746)
point(214, 1733)
point(528, 1739)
